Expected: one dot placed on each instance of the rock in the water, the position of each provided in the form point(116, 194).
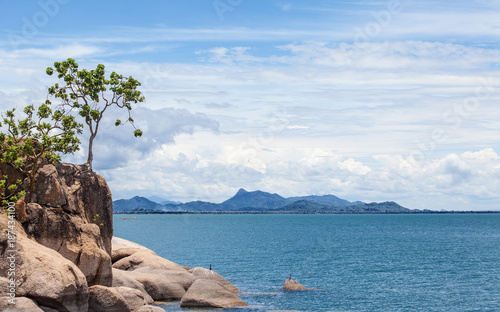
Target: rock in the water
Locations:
point(202, 273)
point(43, 274)
point(150, 308)
point(22, 304)
point(291, 284)
point(146, 259)
point(106, 299)
point(122, 278)
point(122, 248)
point(210, 294)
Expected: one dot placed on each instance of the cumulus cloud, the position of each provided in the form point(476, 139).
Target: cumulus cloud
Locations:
point(115, 146)
point(213, 174)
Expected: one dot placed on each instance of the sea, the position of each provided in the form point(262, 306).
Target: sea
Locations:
point(398, 262)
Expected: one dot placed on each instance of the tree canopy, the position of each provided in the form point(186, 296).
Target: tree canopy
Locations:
point(43, 132)
point(90, 93)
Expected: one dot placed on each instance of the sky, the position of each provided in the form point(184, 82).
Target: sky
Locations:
point(367, 100)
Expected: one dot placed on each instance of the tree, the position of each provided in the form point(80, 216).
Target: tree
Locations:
point(91, 93)
point(43, 133)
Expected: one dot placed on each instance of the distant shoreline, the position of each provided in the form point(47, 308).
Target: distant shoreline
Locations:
point(299, 213)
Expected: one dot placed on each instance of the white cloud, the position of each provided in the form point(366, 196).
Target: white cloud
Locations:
point(305, 117)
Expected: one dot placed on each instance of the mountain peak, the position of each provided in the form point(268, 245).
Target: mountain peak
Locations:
point(241, 191)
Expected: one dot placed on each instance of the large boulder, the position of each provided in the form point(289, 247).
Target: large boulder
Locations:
point(146, 259)
point(202, 273)
point(291, 284)
point(133, 297)
point(22, 304)
point(106, 299)
point(42, 274)
point(74, 238)
point(210, 294)
point(122, 248)
point(162, 284)
point(123, 278)
point(70, 210)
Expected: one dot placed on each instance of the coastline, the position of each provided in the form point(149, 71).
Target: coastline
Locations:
point(303, 213)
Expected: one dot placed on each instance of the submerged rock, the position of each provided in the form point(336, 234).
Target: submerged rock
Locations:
point(210, 294)
point(291, 284)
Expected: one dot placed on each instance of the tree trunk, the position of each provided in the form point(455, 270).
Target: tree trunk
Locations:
point(90, 155)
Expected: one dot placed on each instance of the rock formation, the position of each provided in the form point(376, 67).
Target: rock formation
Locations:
point(291, 284)
point(70, 211)
point(165, 280)
point(209, 293)
point(41, 274)
point(202, 273)
point(67, 259)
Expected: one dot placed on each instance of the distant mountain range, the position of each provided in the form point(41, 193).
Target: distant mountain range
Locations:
point(259, 201)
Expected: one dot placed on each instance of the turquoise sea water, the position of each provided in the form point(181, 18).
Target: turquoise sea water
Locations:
point(431, 262)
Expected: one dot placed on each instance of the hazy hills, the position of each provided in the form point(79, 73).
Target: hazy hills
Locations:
point(259, 201)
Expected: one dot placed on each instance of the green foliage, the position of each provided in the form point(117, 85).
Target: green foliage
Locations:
point(90, 93)
point(10, 192)
point(43, 132)
point(95, 220)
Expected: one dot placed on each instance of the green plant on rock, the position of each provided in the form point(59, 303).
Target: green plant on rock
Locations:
point(95, 220)
point(90, 93)
point(43, 132)
point(10, 191)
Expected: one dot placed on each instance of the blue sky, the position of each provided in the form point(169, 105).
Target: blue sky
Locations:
point(366, 100)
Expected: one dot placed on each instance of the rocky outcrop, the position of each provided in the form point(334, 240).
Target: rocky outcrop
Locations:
point(123, 248)
point(207, 293)
point(41, 273)
point(202, 273)
point(146, 259)
point(124, 279)
point(163, 284)
point(165, 280)
point(70, 211)
point(291, 284)
point(65, 260)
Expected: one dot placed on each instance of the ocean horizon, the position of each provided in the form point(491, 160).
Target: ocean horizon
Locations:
point(428, 262)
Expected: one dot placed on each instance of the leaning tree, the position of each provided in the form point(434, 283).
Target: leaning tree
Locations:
point(91, 93)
